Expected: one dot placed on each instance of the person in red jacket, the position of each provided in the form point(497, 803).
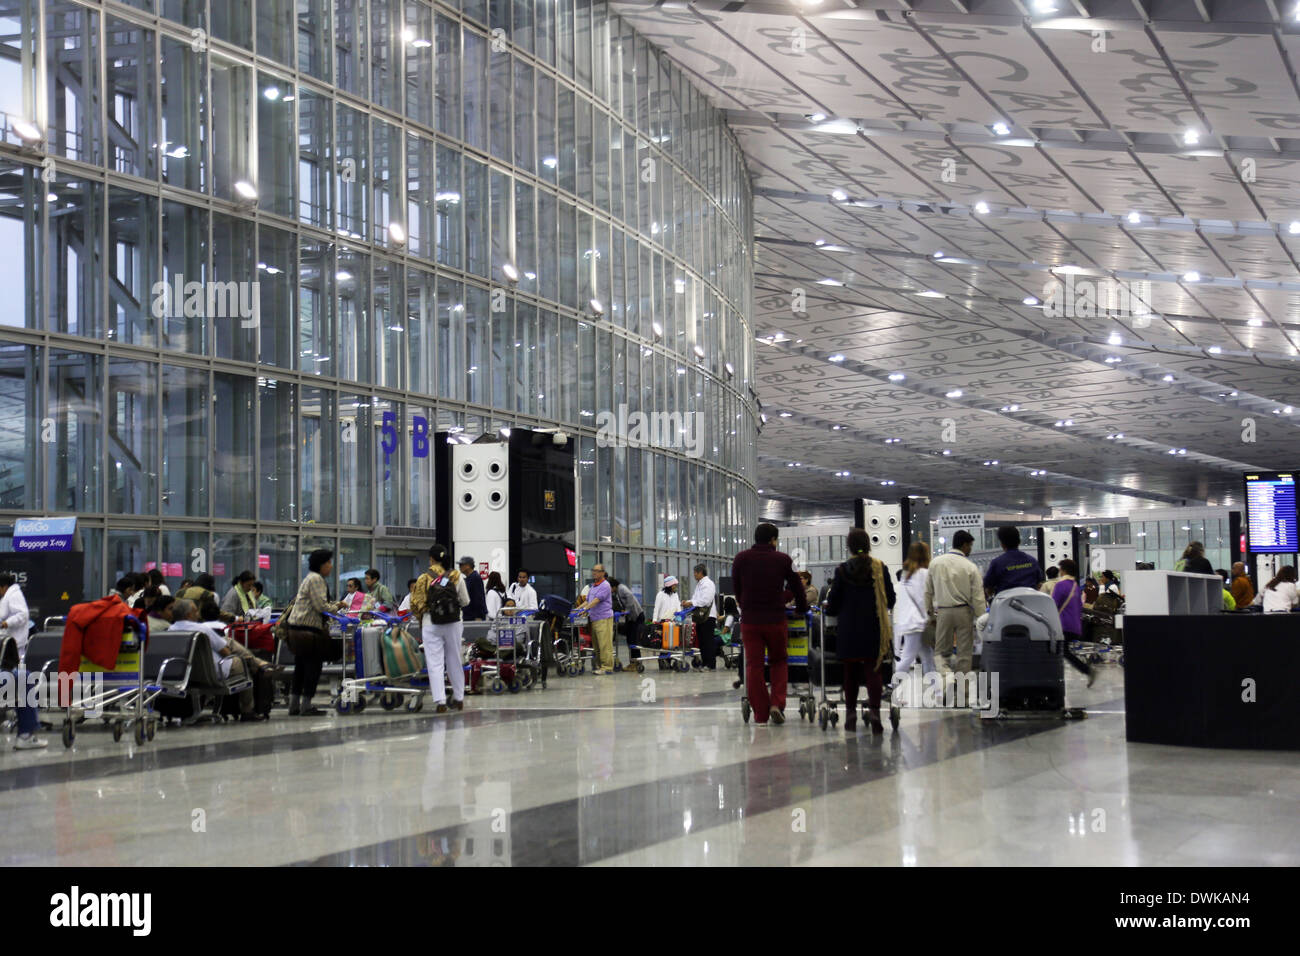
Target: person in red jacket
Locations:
point(764, 579)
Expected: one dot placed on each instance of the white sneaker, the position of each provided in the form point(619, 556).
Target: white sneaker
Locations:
point(30, 742)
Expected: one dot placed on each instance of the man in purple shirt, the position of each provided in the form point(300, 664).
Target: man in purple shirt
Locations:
point(600, 610)
point(764, 579)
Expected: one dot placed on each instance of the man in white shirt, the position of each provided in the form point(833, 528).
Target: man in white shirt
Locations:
point(233, 660)
point(954, 596)
point(522, 593)
point(705, 614)
point(406, 601)
point(15, 621)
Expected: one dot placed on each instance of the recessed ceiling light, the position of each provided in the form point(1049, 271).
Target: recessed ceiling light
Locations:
point(1029, 300)
point(245, 189)
point(1115, 339)
point(1192, 276)
point(820, 242)
point(955, 393)
point(1001, 129)
point(1191, 137)
point(931, 294)
point(1294, 226)
point(786, 414)
point(1232, 394)
point(896, 376)
point(817, 117)
point(1214, 350)
point(272, 93)
point(1168, 378)
point(397, 233)
point(657, 329)
point(510, 272)
point(1255, 323)
point(1113, 359)
point(829, 282)
point(1135, 217)
point(938, 255)
point(947, 451)
point(343, 275)
point(836, 358)
point(982, 208)
point(1044, 6)
point(25, 130)
point(839, 195)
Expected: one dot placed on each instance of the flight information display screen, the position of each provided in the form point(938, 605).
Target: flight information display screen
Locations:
point(1271, 519)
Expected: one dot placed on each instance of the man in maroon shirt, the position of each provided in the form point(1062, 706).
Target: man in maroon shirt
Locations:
point(765, 579)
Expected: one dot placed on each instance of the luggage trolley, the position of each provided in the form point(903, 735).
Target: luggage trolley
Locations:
point(827, 712)
point(676, 643)
point(121, 702)
point(801, 633)
point(368, 669)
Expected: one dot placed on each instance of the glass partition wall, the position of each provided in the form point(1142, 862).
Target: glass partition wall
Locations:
point(243, 240)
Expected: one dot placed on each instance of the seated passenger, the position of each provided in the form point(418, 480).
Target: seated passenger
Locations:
point(232, 659)
point(159, 614)
point(356, 599)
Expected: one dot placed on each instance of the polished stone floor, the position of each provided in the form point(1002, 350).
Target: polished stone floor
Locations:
point(589, 771)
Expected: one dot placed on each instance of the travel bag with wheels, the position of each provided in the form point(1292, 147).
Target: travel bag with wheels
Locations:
point(263, 695)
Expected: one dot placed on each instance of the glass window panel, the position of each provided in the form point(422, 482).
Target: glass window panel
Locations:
point(451, 339)
point(132, 265)
point(449, 209)
point(20, 227)
point(566, 136)
point(275, 30)
point(314, 173)
point(129, 551)
point(355, 350)
point(525, 234)
point(186, 407)
point(232, 554)
point(447, 91)
point(587, 484)
point(419, 61)
point(587, 374)
point(477, 259)
point(421, 328)
point(502, 236)
point(504, 355)
point(184, 98)
point(277, 268)
point(521, 33)
point(477, 342)
point(390, 463)
point(548, 258)
point(584, 158)
point(582, 45)
point(390, 332)
point(72, 459)
point(475, 9)
point(352, 165)
point(314, 38)
point(569, 255)
point(72, 72)
point(568, 371)
point(350, 56)
point(355, 460)
point(316, 280)
point(277, 448)
point(387, 166)
point(501, 102)
point(420, 203)
point(386, 87)
point(132, 438)
point(20, 396)
point(130, 99)
point(548, 162)
point(524, 350)
point(524, 154)
point(280, 580)
point(564, 32)
point(232, 134)
point(475, 85)
point(419, 474)
point(185, 260)
point(233, 22)
point(275, 145)
point(318, 462)
point(544, 30)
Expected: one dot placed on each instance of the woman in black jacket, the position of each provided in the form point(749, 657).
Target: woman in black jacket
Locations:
point(861, 597)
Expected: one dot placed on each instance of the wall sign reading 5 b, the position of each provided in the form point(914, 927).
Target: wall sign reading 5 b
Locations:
point(419, 437)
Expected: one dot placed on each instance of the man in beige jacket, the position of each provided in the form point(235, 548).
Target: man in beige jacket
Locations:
point(954, 597)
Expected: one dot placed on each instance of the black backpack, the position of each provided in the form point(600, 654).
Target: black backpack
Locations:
point(442, 604)
point(615, 601)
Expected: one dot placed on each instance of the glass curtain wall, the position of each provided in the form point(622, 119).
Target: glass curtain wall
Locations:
point(530, 221)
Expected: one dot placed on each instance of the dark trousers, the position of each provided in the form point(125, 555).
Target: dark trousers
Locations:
point(858, 674)
point(306, 673)
point(708, 643)
point(772, 639)
point(633, 627)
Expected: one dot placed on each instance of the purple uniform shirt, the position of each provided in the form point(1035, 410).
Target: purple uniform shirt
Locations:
point(604, 607)
point(1071, 611)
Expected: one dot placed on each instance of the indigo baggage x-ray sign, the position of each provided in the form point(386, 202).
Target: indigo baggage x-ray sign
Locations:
point(44, 534)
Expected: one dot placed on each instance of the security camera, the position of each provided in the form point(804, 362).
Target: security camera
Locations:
point(560, 438)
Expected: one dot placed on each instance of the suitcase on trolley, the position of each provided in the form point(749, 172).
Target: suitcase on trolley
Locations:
point(1024, 649)
point(263, 696)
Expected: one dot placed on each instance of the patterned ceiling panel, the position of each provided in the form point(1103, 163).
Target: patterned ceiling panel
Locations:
point(950, 83)
point(1239, 82)
point(1127, 81)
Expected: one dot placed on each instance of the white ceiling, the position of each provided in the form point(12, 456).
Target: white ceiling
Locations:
point(1094, 135)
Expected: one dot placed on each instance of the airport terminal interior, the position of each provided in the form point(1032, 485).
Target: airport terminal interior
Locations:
point(408, 405)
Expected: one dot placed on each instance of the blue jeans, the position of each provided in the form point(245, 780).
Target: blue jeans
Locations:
point(28, 721)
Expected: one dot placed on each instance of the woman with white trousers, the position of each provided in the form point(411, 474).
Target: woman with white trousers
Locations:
point(909, 615)
point(440, 632)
